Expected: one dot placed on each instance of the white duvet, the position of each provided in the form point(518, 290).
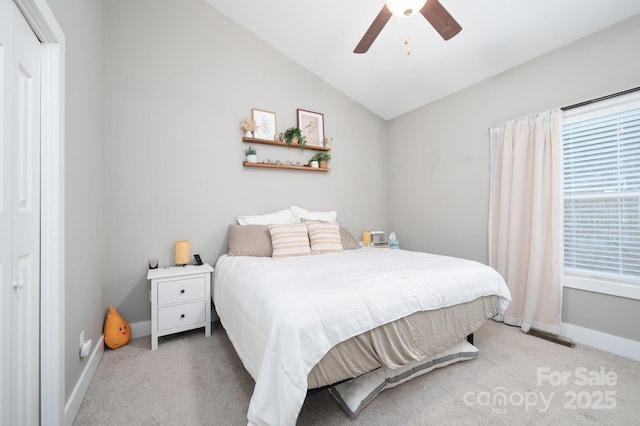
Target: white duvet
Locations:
point(283, 315)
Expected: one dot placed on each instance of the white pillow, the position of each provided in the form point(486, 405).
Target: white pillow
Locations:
point(299, 214)
point(281, 217)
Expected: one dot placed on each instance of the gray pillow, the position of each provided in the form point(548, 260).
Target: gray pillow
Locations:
point(249, 240)
point(348, 241)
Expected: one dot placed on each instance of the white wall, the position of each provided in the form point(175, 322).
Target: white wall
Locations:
point(82, 23)
point(180, 77)
point(439, 156)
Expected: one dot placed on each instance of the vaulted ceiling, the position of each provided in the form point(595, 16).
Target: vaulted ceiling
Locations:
point(497, 35)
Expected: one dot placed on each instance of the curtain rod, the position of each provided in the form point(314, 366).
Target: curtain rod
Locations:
point(613, 95)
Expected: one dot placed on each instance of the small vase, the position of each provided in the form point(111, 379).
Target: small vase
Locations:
point(314, 164)
point(252, 158)
point(324, 164)
point(248, 134)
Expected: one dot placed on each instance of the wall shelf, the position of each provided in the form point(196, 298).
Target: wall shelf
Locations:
point(280, 143)
point(284, 166)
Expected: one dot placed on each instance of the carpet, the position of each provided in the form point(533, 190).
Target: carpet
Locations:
point(517, 380)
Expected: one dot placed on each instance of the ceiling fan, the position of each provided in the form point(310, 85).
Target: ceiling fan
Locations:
point(432, 10)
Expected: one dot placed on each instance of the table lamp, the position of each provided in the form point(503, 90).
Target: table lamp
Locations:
point(182, 253)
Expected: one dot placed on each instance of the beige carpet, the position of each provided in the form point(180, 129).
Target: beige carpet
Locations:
point(192, 380)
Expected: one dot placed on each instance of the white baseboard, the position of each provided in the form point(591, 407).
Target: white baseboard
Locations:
point(599, 340)
point(140, 329)
point(82, 386)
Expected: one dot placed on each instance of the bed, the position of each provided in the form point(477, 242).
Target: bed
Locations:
point(300, 322)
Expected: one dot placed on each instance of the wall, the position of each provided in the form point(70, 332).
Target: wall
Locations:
point(180, 77)
point(82, 23)
point(439, 156)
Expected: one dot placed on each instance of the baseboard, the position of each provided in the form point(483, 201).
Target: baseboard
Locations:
point(140, 329)
point(599, 340)
point(82, 386)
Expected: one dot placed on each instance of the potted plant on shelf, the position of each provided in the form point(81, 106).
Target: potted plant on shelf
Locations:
point(251, 155)
point(313, 161)
point(248, 126)
point(294, 135)
point(323, 159)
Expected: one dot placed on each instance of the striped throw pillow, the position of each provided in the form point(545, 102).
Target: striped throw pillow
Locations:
point(289, 240)
point(324, 237)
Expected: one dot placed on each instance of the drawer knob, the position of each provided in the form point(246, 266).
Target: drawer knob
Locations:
point(182, 291)
point(182, 316)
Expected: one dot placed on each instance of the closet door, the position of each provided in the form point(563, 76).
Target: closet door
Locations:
point(25, 321)
point(6, 153)
point(20, 261)
point(6, 107)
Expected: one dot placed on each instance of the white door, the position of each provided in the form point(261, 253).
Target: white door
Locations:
point(20, 221)
point(6, 106)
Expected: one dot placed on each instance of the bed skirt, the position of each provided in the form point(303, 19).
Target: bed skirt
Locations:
point(414, 338)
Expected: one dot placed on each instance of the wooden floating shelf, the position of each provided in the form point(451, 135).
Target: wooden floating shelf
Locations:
point(280, 143)
point(284, 166)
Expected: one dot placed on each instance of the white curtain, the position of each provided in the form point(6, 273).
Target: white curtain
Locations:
point(525, 218)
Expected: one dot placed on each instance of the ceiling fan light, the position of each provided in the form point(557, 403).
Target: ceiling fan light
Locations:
point(405, 8)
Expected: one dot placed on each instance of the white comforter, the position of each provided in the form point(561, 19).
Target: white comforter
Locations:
point(283, 315)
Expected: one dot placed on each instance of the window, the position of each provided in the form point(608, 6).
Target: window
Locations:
point(602, 190)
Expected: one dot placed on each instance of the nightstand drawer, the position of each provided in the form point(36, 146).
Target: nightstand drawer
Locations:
point(181, 315)
point(181, 290)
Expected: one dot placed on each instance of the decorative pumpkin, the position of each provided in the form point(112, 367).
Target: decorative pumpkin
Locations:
point(117, 331)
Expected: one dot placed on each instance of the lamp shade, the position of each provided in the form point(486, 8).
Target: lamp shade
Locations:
point(182, 252)
point(405, 8)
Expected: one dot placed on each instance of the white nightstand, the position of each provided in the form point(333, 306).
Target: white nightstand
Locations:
point(180, 300)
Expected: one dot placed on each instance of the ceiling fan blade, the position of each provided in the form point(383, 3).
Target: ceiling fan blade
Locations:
point(373, 31)
point(440, 19)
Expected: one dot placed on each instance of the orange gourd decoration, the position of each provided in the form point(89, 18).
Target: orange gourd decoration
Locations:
point(117, 331)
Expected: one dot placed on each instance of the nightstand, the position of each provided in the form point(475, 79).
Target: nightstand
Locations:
point(180, 300)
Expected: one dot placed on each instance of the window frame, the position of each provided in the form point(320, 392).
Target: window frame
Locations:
point(591, 281)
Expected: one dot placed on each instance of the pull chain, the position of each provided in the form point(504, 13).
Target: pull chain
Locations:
point(406, 43)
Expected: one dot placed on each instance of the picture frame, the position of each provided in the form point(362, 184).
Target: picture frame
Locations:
point(312, 126)
point(266, 122)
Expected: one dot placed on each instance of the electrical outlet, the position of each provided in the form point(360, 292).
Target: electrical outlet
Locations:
point(85, 345)
point(85, 348)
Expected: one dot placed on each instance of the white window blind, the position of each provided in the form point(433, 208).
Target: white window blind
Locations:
point(602, 189)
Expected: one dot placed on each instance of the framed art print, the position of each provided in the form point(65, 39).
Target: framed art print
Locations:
point(266, 122)
point(312, 126)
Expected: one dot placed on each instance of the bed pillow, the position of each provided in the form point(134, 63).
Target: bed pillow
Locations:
point(280, 217)
point(249, 240)
point(349, 242)
point(324, 237)
point(289, 240)
point(353, 395)
point(300, 214)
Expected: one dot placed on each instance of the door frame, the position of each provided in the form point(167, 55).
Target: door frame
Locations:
point(52, 152)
